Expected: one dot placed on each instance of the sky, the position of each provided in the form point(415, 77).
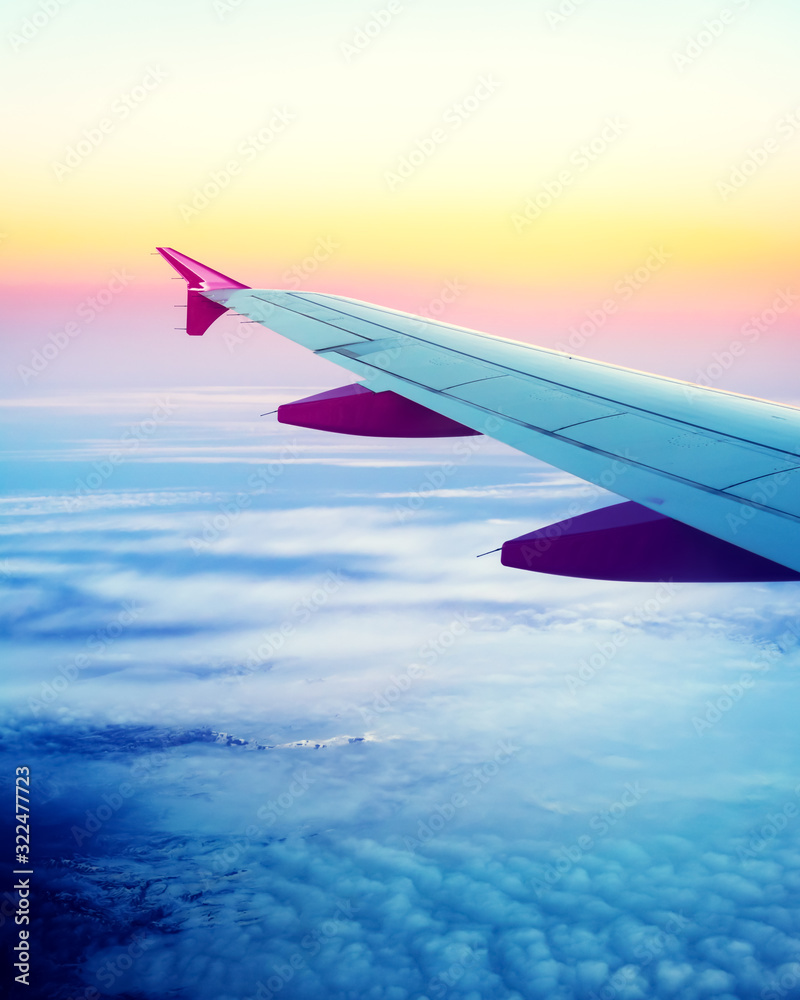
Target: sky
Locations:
point(572, 141)
point(288, 736)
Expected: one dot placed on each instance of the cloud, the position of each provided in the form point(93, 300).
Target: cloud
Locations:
point(557, 788)
point(260, 874)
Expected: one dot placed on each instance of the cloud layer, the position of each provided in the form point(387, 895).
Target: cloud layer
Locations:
point(308, 746)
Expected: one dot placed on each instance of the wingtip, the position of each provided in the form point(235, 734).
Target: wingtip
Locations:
point(200, 277)
point(201, 312)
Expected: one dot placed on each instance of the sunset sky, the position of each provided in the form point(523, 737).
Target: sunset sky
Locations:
point(533, 153)
point(331, 753)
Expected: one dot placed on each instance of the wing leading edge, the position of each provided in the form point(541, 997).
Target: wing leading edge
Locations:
point(725, 466)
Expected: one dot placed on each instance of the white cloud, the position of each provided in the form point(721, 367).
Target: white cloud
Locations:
point(464, 866)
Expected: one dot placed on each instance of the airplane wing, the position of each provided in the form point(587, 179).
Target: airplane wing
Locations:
point(712, 478)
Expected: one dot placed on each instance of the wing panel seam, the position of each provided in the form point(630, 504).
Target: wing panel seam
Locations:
point(767, 475)
point(628, 407)
point(572, 389)
point(713, 491)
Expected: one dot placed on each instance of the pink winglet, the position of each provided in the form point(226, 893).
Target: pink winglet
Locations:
point(200, 312)
point(355, 409)
point(200, 277)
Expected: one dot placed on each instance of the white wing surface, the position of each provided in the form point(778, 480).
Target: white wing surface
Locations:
point(726, 464)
